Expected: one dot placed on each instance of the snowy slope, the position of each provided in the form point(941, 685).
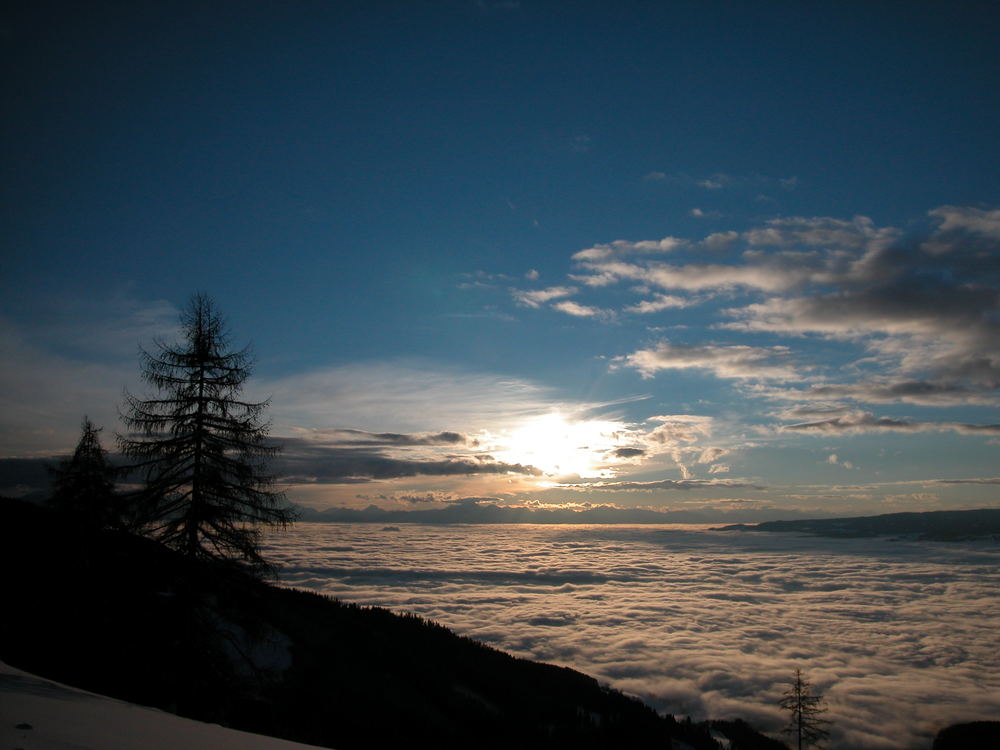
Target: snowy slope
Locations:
point(38, 714)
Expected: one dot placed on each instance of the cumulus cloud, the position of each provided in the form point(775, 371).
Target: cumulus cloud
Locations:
point(735, 361)
point(719, 241)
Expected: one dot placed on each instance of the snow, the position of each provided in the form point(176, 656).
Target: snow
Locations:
point(38, 714)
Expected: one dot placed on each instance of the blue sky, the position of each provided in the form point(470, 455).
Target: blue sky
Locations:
point(670, 255)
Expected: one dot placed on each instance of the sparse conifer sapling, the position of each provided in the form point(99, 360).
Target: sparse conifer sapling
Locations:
point(806, 709)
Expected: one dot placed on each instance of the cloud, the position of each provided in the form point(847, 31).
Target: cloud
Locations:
point(317, 461)
point(859, 422)
point(736, 361)
point(707, 623)
point(984, 480)
point(835, 460)
point(659, 303)
point(720, 241)
point(352, 437)
point(580, 311)
point(663, 484)
point(406, 396)
point(629, 452)
point(71, 360)
point(537, 297)
point(797, 231)
point(924, 307)
point(888, 390)
point(624, 248)
point(965, 219)
point(772, 275)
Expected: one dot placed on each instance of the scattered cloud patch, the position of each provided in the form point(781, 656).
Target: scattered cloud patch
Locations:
point(537, 297)
point(659, 303)
point(734, 362)
point(835, 460)
point(580, 311)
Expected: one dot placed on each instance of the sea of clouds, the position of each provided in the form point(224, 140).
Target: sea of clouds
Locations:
point(900, 636)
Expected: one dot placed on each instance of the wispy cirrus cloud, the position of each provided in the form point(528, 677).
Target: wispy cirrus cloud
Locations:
point(663, 484)
point(888, 390)
point(580, 311)
point(538, 297)
point(860, 421)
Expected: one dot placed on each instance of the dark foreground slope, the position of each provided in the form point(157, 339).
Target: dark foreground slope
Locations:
point(939, 525)
point(125, 617)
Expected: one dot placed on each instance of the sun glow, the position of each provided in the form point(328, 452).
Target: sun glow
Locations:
point(561, 447)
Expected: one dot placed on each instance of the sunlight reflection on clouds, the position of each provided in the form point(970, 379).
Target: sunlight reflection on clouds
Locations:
point(899, 635)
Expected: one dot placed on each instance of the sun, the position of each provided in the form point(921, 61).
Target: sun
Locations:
point(562, 447)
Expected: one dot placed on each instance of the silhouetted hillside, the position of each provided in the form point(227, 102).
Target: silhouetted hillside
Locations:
point(126, 617)
point(974, 735)
point(940, 525)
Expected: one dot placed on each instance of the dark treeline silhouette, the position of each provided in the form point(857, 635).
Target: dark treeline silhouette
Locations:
point(194, 461)
point(974, 735)
point(83, 485)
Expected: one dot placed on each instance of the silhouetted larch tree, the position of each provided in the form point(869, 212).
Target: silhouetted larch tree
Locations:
point(201, 449)
point(806, 708)
point(83, 486)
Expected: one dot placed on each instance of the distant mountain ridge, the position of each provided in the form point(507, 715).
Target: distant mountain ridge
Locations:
point(936, 525)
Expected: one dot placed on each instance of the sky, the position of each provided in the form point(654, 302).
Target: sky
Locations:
point(730, 257)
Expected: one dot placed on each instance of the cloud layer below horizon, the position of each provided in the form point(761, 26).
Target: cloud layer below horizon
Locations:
point(899, 636)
